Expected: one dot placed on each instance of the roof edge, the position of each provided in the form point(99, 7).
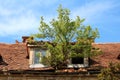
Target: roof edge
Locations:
point(107, 43)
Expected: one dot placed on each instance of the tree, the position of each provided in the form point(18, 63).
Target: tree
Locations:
point(67, 38)
point(109, 73)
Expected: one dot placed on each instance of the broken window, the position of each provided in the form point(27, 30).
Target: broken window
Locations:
point(77, 60)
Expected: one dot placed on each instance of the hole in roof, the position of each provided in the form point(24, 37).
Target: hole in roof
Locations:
point(2, 61)
point(118, 57)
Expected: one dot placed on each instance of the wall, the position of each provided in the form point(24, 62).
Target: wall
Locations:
point(48, 77)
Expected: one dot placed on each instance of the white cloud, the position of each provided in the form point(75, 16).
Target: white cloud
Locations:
point(42, 3)
point(93, 10)
point(22, 24)
point(19, 17)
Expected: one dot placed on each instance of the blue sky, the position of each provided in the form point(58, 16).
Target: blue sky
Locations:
point(22, 17)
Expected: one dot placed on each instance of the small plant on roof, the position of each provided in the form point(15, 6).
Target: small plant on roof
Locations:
point(61, 33)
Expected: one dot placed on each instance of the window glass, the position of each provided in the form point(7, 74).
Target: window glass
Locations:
point(38, 55)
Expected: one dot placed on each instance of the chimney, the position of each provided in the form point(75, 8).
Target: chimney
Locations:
point(24, 38)
point(17, 42)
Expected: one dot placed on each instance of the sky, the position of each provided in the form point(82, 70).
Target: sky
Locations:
point(22, 17)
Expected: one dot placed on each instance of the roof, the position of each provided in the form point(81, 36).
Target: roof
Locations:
point(14, 56)
point(110, 53)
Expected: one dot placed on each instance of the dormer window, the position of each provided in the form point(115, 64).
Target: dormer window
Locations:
point(36, 55)
point(79, 62)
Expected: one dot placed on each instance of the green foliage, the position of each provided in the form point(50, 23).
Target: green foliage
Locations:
point(109, 73)
point(61, 33)
point(30, 39)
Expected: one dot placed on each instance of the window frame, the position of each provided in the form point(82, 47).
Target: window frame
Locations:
point(32, 53)
point(85, 63)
